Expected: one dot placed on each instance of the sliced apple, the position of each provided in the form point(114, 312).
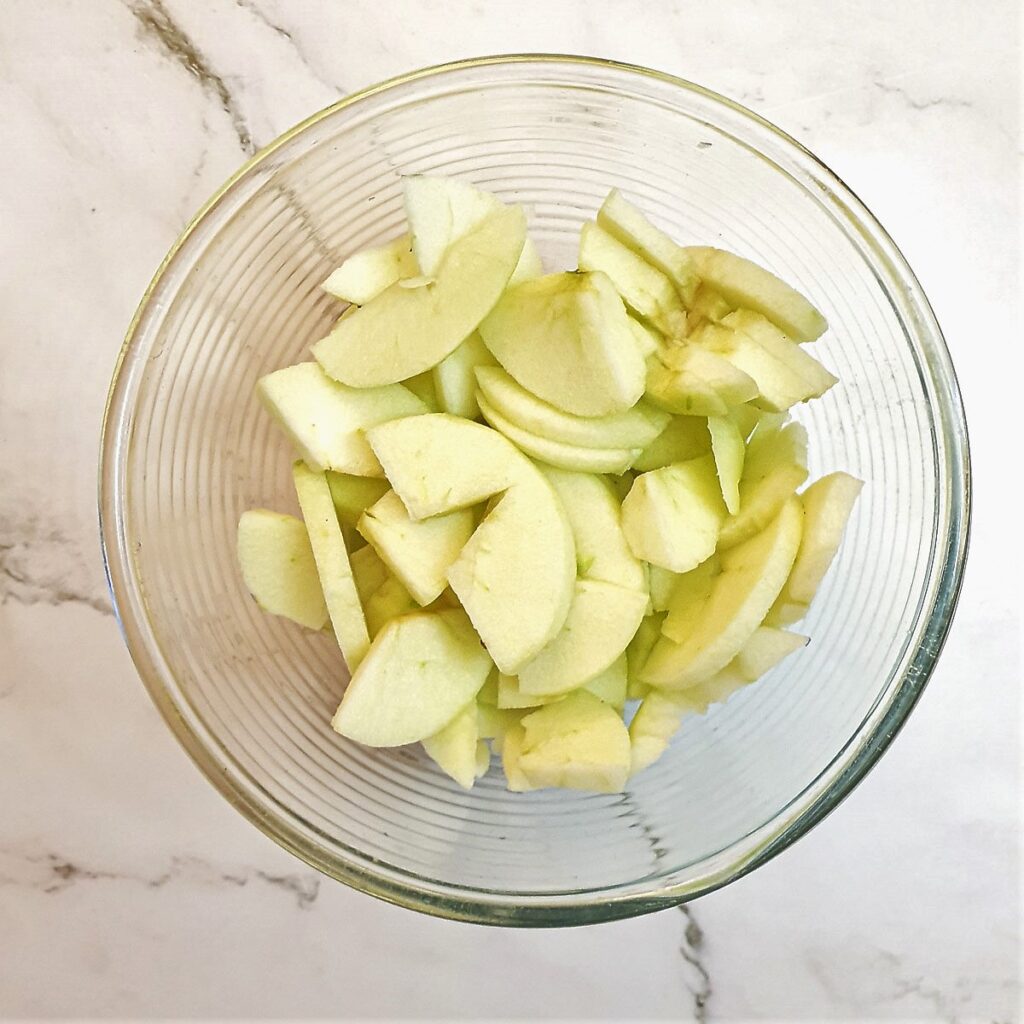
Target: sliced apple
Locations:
point(662, 583)
point(369, 572)
point(729, 449)
point(512, 698)
point(455, 380)
point(621, 219)
point(648, 341)
point(389, 601)
point(707, 305)
point(511, 750)
point(685, 438)
point(745, 284)
point(332, 564)
point(529, 267)
point(419, 553)
point(493, 722)
point(566, 338)
point(672, 516)
point(656, 721)
point(694, 381)
point(453, 747)
point(827, 506)
point(404, 331)
point(637, 653)
point(610, 685)
point(644, 288)
point(278, 567)
point(690, 593)
point(352, 495)
point(752, 577)
point(325, 420)
point(489, 691)
point(421, 671)
point(366, 274)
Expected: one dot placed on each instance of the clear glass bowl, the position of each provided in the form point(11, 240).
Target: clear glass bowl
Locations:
point(186, 448)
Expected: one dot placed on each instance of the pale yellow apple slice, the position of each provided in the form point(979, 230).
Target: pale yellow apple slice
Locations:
point(689, 595)
point(566, 338)
point(455, 380)
point(421, 671)
point(698, 382)
point(621, 219)
point(746, 284)
point(662, 584)
point(602, 620)
point(637, 653)
point(611, 684)
point(332, 563)
point(278, 567)
point(352, 495)
point(635, 428)
point(766, 648)
point(419, 553)
point(672, 516)
point(596, 521)
point(493, 722)
point(707, 305)
point(648, 341)
point(389, 601)
point(752, 577)
point(827, 506)
point(529, 267)
point(453, 748)
point(685, 438)
point(422, 386)
point(729, 449)
point(369, 572)
point(404, 331)
point(325, 420)
point(512, 698)
point(556, 453)
point(578, 743)
point(644, 288)
point(656, 721)
point(511, 749)
point(366, 274)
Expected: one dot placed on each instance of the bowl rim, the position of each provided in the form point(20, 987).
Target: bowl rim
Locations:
point(565, 909)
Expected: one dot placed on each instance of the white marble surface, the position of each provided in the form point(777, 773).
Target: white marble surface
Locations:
point(128, 888)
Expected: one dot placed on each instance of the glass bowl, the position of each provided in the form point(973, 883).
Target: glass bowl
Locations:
point(186, 448)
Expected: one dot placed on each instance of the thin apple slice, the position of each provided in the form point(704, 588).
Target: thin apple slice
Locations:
point(621, 219)
point(369, 572)
point(566, 338)
point(419, 553)
point(690, 593)
point(493, 722)
point(364, 275)
point(672, 516)
point(511, 749)
point(638, 652)
point(529, 267)
point(827, 506)
point(729, 450)
point(745, 284)
point(453, 747)
point(421, 671)
point(611, 684)
point(662, 584)
point(278, 567)
point(404, 331)
point(656, 721)
point(512, 698)
point(455, 380)
point(635, 428)
point(752, 577)
point(325, 420)
point(352, 495)
point(693, 381)
point(332, 564)
point(555, 453)
point(645, 289)
point(578, 743)
point(707, 306)
point(685, 438)
point(648, 340)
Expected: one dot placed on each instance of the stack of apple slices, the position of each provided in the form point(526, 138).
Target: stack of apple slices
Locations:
point(530, 501)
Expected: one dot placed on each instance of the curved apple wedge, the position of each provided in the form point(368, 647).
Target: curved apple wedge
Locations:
point(366, 274)
point(453, 748)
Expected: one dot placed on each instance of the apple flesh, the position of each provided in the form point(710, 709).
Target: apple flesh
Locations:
point(352, 495)
point(707, 306)
point(366, 274)
point(694, 381)
point(453, 748)
point(690, 593)
point(728, 448)
point(455, 378)
point(685, 438)
point(611, 684)
point(368, 571)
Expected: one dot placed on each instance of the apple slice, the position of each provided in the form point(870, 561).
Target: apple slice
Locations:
point(529, 267)
point(369, 572)
point(648, 341)
point(690, 593)
point(332, 563)
point(745, 284)
point(419, 553)
point(366, 274)
point(404, 331)
point(656, 721)
point(555, 453)
point(685, 438)
point(752, 577)
point(621, 219)
point(278, 567)
point(352, 495)
point(634, 428)
point(645, 289)
point(421, 671)
point(493, 722)
point(511, 749)
point(325, 420)
point(760, 654)
point(512, 698)
point(422, 386)
point(827, 506)
point(602, 619)
point(707, 305)
point(595, 519)
point(453, 747)
point(578, 743)
point(610, 685)
point(455, 378)
point(566, 338)
point(729, 450)
point(637, 653)
point(698, 382)
point(661, 583)
point(672, 516)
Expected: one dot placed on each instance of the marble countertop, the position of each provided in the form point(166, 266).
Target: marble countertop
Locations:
point(128, 888)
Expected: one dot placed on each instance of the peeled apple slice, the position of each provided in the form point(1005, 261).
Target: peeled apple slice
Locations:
point(453, 747)
point(352, 495)
point(368, 571)
point(729, 450)
point(693, 381)
point(455, 379)
point(685, 438)
point(512, 698)
point(611, 684)
point(389, 601)
point(691, 591)
point(366, 274)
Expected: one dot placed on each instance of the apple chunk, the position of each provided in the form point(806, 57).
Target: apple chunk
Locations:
point(729, 450)
point(694, 381)
point(453, 747)
point(352, 495)
point(366, 274)
point(685, 438)
point(455, 379)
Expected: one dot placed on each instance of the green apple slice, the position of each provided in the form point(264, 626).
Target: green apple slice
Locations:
point(352, 495)
point(421, 671)
point(745, 284)
point(511, 749)
point(621, 219)
point(578, 743)
point(662, 584)
point(672, 516)
point(729, 450)
point(529, 267)
point(278, 567)
point(656, 721)
point(512, 698)
point(555, 453)
point(404, 331)
point(691, 591)
point(369, 572)
point(389, 601)
point(566, 338)
point(751, 579)
point(422, 386)
point(455, 380)
point(707, 306)
point(366, 274)
point(610, 685)
point(493, 722)
point(685, 438)
point(693, 381)
point(648, 341)
point(602, 620)
point(595, 519)
point(453, 747)
point(332, 564)
point(639, 651)
point(635, 428)
point(827, 506)
point(645, 289)
point(419, 553)
point(325, 420)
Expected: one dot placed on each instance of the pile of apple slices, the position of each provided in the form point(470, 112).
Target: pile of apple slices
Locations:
point(530, 500)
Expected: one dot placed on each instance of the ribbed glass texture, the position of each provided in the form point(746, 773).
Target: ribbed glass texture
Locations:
point(187, 448)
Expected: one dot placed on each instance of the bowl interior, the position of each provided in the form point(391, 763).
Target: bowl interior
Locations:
point(188, 448)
